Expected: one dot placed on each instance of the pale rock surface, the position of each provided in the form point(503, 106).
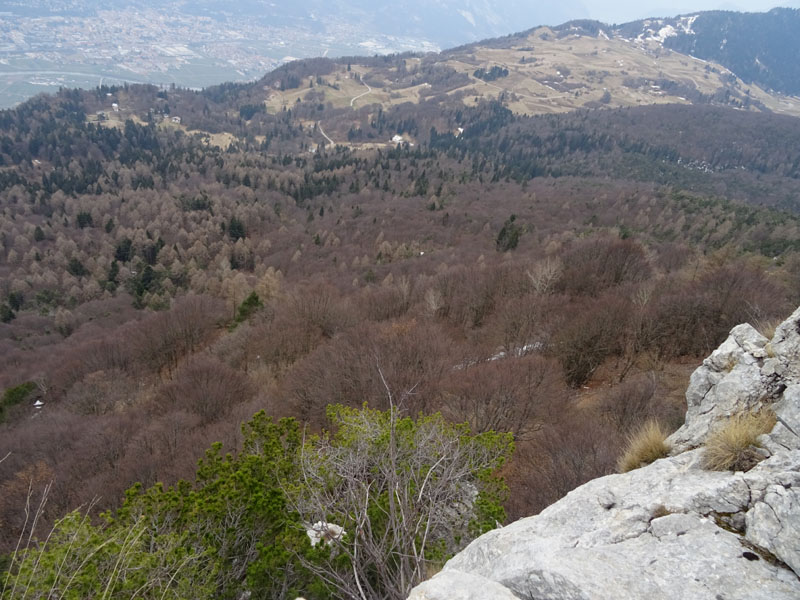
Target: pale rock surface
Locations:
point(671, 529)
point(728, 381)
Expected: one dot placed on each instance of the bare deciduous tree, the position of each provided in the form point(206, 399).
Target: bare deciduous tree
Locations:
point(206, 387)
point(512, 394)
point(406, 494)
point(544, 274)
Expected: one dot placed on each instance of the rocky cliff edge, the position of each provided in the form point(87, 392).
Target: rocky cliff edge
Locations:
point(672, 529)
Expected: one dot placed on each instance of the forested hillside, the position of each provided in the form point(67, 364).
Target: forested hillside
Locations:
point(171, 267)
point(758, 47)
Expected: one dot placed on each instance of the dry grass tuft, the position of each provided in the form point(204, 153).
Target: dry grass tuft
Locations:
point(645, 446)
point(659, 511)
point(732, 447)
point(767, 327)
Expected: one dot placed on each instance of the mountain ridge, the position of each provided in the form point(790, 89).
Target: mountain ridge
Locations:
point(579, 64)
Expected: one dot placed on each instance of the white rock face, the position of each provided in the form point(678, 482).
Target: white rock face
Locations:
point(671, 529)
point(727, 382)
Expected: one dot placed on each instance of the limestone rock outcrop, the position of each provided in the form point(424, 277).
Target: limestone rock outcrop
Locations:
point(671, 529)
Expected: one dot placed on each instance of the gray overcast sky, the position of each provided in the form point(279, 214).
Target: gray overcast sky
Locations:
point(620, 11)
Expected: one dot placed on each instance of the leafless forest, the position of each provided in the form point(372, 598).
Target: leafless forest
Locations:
point(554, 277)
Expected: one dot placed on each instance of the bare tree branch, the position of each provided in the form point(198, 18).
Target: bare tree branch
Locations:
point(398, 487)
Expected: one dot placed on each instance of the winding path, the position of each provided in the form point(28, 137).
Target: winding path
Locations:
point(369, 90)
point(325, 135)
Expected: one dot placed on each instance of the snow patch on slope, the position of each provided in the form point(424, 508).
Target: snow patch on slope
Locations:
point(685, 23)
point(663, 33)
point(658, 30)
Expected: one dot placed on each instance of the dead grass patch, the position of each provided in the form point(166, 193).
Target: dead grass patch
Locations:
point(645, 446)
point(767, 327)
point(733, 446)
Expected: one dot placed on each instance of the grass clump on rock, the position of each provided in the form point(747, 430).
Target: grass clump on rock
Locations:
point(645, 446)
point(733, 446)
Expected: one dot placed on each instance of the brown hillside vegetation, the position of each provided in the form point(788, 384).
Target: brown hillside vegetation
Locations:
point(158, 290)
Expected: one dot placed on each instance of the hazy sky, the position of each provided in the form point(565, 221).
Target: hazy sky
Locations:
point(620, 11)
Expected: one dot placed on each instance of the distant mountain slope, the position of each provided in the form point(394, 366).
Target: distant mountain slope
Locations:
point(579, 65)
point(761, 48)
